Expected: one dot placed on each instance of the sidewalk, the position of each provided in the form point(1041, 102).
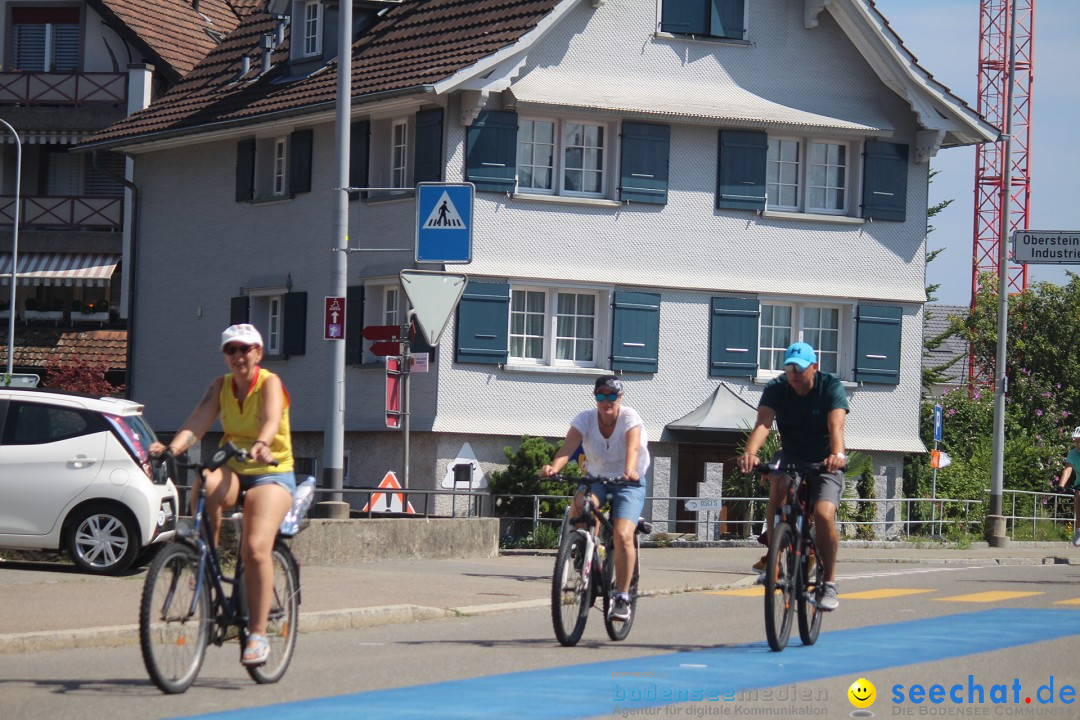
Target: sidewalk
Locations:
point(54, 608)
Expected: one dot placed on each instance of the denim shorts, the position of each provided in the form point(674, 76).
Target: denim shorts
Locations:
point(285, 479)
point(627, 501)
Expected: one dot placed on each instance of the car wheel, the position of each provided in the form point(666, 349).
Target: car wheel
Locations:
point(102, 539)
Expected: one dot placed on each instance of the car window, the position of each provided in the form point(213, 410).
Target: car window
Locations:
point(37, 423)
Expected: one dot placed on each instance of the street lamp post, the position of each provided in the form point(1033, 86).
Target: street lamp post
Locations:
point(14, 250)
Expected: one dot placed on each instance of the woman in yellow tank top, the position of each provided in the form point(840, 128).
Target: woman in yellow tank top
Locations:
point(253, 407)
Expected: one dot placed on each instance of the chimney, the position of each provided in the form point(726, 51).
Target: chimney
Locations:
point(195, 5)
point(267, 45)
point(245, 65)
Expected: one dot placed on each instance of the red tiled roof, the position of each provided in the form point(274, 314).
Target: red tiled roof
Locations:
point(35, 347)
point(174, 31)
point(417, 43)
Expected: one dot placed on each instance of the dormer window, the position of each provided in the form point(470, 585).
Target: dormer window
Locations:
point(310, 13)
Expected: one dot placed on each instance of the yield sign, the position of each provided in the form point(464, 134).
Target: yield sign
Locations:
point(433, 295)
point(389, 502)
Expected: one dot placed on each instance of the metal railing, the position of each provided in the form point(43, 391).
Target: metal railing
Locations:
point(64, 212)
point(63, 88)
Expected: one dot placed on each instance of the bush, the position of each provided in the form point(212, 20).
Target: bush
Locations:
point(521, 477)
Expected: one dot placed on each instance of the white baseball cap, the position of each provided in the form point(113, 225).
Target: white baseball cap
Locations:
point(1076, 433)
point(242, 333)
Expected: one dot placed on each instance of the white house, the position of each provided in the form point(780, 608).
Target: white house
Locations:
point(672, 191)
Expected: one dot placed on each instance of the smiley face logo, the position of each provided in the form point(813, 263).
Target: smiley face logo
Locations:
point(862, 693)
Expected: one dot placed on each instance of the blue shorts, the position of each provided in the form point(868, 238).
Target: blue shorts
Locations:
point(627, 501)
point(286, 480)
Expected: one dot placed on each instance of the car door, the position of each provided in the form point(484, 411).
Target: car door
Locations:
point(50, 454)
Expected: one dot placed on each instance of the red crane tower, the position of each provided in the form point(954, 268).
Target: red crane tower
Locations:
point(995, 29)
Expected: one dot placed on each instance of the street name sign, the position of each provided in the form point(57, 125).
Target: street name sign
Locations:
point(703, 503)
point(1048, 247)
point(444, 222)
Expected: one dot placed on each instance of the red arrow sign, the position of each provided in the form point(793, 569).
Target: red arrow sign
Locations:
point(385, 348)
point(380, 332)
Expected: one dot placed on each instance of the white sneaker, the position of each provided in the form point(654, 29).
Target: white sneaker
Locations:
point(1076, 539)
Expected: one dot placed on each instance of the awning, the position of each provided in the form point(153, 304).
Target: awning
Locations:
point(46, 137)
point(718, 101)
point(723, 410)
point(60, 268)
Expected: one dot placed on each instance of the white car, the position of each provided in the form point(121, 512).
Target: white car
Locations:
point(76, 476)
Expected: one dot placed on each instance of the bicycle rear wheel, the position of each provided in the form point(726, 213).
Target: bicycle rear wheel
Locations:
point(619, 629)
point(809, 613)
point(174, 619)
point(781, 576)
point(281, 622)
point(570, 591)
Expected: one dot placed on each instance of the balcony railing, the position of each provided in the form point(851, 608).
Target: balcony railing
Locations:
point(70, 88)
point(78, 212)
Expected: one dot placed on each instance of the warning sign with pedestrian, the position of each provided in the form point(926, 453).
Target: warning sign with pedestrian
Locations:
point(444, 213)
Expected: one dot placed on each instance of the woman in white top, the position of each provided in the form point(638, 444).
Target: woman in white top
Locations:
point(616, 446)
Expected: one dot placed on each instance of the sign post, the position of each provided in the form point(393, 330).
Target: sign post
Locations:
point(393, 392)
point(935, 463)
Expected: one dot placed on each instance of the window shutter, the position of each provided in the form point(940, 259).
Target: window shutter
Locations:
point(428, 160)
point(740, 181)
point(354, 324)
point(728, 18)
point(491, 151)
point(238, 310)
point(645, 152)
point(687, 17)
point(733, 337)
point(885, 172)
point(359, 149)
point(877, 346)
point(635, 340)
point(300, 161)
point(245, 170)
point(294, 321)
point(483, 318)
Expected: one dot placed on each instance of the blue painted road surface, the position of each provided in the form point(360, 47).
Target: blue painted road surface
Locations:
point(594, 689)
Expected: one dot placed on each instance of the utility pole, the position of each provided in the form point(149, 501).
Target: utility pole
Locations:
point(334, 436)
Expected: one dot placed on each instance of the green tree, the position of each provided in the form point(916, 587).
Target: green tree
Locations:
point(521, 477)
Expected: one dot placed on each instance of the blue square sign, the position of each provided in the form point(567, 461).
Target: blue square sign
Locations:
point(444, 222)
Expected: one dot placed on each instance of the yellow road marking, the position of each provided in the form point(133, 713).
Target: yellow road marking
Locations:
point(989, 596)
point(754, 591)
point(882, 593)
point(1074, 601)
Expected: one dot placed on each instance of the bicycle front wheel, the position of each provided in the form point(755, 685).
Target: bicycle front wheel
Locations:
point(281, 622)
point(619, 629)
point(809, 613)
point(174, 619)
point(570, 591)
point(781, 577)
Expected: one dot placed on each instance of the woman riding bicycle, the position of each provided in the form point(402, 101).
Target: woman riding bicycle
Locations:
point(253, 406)
point(616, 445)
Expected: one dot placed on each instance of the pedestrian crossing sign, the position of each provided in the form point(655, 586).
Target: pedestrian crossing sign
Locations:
point(444, 213)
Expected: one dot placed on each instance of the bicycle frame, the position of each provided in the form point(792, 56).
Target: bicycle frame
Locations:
point(227, 602)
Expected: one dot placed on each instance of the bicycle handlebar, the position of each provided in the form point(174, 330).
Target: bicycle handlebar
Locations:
point(221, 456)
point(801, 468)
point(589, 479)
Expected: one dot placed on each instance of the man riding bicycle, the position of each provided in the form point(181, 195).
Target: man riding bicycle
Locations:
point(810, 409)
point(616, 445)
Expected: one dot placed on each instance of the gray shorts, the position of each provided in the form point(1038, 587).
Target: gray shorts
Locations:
point(827, 486)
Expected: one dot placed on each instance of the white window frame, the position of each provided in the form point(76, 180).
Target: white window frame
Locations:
point(267, 310)
point(559, 168)
point(311, 28)
point(804, 172)
point(280, 178)
point(799, 332)
point(391, 307)
point(399, 153)
point(550, 327)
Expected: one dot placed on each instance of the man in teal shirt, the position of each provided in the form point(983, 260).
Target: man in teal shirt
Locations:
point(810, 409)
point(1072, 469)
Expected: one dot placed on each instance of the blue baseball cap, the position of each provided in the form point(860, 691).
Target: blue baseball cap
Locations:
point(800, 354)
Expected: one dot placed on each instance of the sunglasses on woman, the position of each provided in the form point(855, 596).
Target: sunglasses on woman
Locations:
point(242, 349)
point(610, 397)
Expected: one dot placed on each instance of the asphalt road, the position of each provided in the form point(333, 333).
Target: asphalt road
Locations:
point(1000, 634)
